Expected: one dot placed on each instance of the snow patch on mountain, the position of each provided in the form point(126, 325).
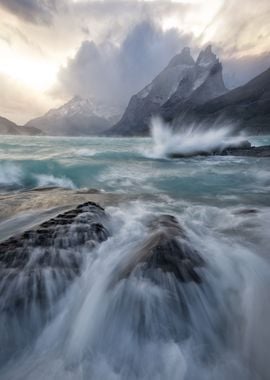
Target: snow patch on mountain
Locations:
point(79, 116)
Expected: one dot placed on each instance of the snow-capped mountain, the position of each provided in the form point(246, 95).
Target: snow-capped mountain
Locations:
point(77, 117)
point(181, 81)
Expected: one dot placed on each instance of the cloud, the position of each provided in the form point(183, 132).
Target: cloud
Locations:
point(238, 71)
point(34, 11)
point(115, 47)
point(114, 73)
point(240, 29)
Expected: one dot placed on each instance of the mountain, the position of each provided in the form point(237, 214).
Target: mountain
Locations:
point(203, 83)
point(78, 117)
point(181, 81)
point(7, 127)
point(247, 106)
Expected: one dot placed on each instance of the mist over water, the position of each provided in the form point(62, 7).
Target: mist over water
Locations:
point(108, 322)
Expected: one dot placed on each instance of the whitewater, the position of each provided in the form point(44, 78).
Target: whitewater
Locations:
point(118, 319)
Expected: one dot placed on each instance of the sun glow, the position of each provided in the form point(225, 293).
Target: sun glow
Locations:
point(35, 72)
point(37, 75)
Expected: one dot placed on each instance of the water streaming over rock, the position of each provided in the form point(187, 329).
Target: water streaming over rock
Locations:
point(170, 287)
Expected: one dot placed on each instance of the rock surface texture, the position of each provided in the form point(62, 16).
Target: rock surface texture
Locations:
point(49, 255)
point(166, 249)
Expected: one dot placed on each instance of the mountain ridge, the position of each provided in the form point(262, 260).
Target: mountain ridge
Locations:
point(247, 107)
point(182, 78)
point(8, 127)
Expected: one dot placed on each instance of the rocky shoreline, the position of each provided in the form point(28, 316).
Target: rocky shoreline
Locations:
point(245, 151)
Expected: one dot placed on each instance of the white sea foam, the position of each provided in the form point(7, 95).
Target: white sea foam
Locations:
point(50, 180)
point(84, 152)
point(189, 141)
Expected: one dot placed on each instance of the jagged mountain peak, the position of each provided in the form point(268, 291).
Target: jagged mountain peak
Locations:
point(182, 82)
point(207, 57)
point(165, 84)
point(182, 58)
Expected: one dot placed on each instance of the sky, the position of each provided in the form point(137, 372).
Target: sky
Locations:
point(52, 50)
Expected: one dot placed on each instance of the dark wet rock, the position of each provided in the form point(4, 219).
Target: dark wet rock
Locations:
point(245, 144)
point(51, 255)
point(89, 191)
point(167, 249)
point(244, 149)
point(260, 151)
point(246, 211)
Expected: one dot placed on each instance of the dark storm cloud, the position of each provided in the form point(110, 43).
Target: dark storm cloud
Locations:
point(35, 11)
point(115, 73)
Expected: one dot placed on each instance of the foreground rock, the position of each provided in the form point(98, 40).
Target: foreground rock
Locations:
point(167, 249)
point(38, 265)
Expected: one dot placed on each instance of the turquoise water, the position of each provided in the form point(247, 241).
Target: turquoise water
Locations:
point(127, 165)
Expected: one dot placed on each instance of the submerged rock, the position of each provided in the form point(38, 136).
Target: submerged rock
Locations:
point(246, 211)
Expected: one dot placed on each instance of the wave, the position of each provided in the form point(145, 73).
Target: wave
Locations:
point(190, 141)
point(84, 152)
point(50, 180)
point(10, 174)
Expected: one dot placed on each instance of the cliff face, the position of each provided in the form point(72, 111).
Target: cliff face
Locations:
point(181, 81)
point(248, 107)
point(203, 83)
